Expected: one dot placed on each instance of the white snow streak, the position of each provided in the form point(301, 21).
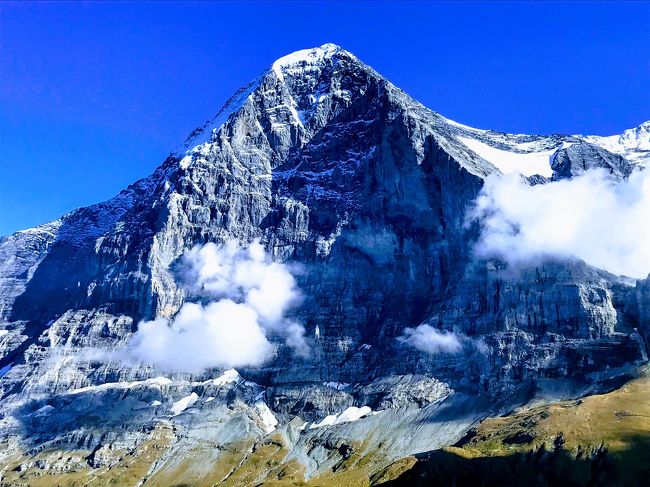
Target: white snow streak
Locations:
point(527, 164)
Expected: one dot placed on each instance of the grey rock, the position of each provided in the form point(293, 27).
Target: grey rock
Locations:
point(581, 157)
point(336, 169)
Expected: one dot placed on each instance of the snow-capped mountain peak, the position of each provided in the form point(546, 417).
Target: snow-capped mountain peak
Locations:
point(534, 155)
point(292, 88)
point(307, 57)
point(633, 143)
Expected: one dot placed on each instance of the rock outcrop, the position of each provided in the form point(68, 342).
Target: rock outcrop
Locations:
point(332, 167)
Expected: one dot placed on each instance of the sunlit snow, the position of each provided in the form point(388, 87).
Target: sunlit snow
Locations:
point(182, 404)
point(527, 164)
point(269, 421)
point(229, 376)
point(633, 143)
point(350, 414)
point(155, 382)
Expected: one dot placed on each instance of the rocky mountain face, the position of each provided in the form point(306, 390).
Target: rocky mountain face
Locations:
point(332, 167)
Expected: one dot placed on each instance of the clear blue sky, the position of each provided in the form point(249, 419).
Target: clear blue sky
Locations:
point(94, 95)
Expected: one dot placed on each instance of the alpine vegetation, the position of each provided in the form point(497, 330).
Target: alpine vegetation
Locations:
point(249, 298)
point(358, 195)
point(590, 217)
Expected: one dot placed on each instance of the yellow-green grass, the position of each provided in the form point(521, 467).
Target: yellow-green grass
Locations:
point(599, 440)
point(602, 439)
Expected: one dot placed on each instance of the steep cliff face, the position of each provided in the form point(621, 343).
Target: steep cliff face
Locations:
point(333, 167)
point(578, 158)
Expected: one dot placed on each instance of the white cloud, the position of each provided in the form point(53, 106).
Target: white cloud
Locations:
point(427, 339)
point(250, 294)
point(591, 217)
point(242, 274)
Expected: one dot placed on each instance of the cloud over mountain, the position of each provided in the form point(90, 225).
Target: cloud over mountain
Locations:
point(590, 217)
point(250, 295)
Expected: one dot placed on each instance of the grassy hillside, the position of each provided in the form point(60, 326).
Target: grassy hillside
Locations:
point(599, 440)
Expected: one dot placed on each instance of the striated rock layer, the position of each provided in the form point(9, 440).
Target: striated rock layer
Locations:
point(333, 167)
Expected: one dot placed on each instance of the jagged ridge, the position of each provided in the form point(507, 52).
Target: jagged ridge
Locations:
point(334, 167)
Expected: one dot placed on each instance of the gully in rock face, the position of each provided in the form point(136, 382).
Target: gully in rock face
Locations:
point(341, 245)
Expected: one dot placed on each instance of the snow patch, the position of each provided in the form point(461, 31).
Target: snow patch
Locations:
point(350, 414)
point(527, 164)
point(269, 421)
point(228, 377)
point(155, 382)
point(462, 126)
point(324, 245)
point(312, 56)
point(182, 404)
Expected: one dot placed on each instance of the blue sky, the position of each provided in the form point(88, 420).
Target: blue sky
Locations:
point(94, 95)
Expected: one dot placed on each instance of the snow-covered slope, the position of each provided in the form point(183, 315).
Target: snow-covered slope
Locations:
point(531, 155)
point(524, 161)
point(633, 144)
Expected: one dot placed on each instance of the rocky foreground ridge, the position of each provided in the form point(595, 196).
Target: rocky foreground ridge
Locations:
point(330, 166)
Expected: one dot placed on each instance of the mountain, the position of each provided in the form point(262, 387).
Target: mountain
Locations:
point(365, 192)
